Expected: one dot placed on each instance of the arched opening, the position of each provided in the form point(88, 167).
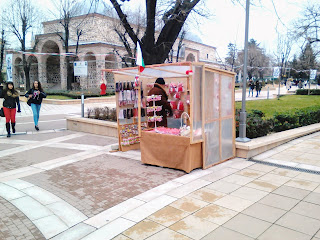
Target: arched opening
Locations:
point(33, 63)
point(110, 63)
point(91, 80)
point(18, 78)
point(52, 64)
point(190, 58)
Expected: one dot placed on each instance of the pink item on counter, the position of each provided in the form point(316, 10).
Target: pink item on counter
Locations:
point(169, 131)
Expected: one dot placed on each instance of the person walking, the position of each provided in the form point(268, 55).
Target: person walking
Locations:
point(257, 88)
point(251, 87)
point(9, 106)
point(35, 96)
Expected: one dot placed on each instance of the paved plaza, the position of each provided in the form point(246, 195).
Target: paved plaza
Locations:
point(57, 184)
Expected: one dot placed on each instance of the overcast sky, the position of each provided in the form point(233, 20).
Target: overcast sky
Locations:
point(227, 23)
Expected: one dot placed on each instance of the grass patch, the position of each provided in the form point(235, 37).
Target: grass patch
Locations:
point(289, 103)
point(58, 97)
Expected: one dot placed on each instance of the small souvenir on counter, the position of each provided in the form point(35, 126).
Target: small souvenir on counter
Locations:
point(172, 88)
point(177, 114)
point(158, 108)
point(151, 119)
point(117, 87)
point(177, 95)
point(158, 118)
point(173, 105)
point(180, 106)
point(180, 87)
point(150, 109)
point(136, 81)
point(121, 114)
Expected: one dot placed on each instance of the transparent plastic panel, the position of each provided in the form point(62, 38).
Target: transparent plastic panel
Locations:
point(211, 90)
point(227, 138)
point(226, 95)
point(212, 148)
point(197, 103)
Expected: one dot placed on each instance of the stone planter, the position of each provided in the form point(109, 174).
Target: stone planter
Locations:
point(94, 126)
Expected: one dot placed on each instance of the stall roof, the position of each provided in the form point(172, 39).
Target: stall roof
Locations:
point(172, 70)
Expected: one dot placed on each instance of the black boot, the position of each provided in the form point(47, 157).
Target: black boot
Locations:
point(8, 129)
point(13, 125)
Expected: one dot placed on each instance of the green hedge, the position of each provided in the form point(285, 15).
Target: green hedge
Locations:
point(76, 94)
point(305, 92)
point(258, 126)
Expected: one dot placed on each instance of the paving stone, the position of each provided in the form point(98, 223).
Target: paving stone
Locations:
point(225, 234)
point(193, 227)
point(299, 223)
point(143, 229)
point(247, 225)
point(10, 193)
point(237, 179)
point(216, 214)
point(18, 184)
point(233, 203)
point(313, 198)
point(291, 192)
point(50, 226)
point(307, 209)
point(41, 195)
point(224, 187)
point(168, 216)
point(278, 201)
point(189, 204)
point(302, 184)
point(250, 173)
point(264, 212)
point(276, 232)
point(167, 234)
point(262, 185)
point(207, 195)
point(249, 193)
point(91, 139)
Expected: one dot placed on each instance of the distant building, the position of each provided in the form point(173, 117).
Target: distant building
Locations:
point(98, 44)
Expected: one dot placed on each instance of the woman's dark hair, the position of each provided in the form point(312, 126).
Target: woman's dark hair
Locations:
point(11, 90)
point(39, 86)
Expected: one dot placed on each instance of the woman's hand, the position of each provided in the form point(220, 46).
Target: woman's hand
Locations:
point(30, 96)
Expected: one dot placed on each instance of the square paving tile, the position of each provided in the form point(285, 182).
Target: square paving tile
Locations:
point(303, 184)
point(143, 229)
point(274, 178)
point(207, 195)
point(309, 177)
point(215, 214)
point(189, 204)
point(313, 198)
point(237, 179)
point(249, 193)
point(276, 232)
point(121, 237)
point(247, 225)
point(194, 227)
point(318, 234)
point(291, 192)
point(233, 203)
point(307, 209)
point(222, 233)
point(223, 186)
point(299, 223)
point(264, 212)
point(91, 139)
point(262, 185)
point(278, 201)
point(285, 172)
point(250, 173)
point(167, 234)
point(168, 216)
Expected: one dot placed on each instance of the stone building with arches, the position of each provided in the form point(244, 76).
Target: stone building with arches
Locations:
point(98, 44)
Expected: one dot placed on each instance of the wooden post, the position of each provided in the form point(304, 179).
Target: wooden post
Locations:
point(139, 103)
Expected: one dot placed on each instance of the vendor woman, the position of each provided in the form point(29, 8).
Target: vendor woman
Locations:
point(158, 89)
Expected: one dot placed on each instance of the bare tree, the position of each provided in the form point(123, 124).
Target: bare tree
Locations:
point(282, 54)
point(3, 43)
point(67, 9)
point(232, 55)
point(308, 26)
point(157, 50)
point(21, 16)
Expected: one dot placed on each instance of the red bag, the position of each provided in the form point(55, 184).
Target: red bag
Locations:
point(180, 106)
point(173, 105)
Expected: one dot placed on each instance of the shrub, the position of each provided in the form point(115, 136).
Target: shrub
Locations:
point(285, 121)
point(305, 92)
point(104, 113)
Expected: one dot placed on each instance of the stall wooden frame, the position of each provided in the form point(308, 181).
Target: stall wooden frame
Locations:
point(187, 71)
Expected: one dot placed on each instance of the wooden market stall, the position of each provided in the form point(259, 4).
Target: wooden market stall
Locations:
point(202, 97)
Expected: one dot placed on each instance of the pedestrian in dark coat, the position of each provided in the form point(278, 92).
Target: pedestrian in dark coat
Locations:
point(158, 89)
point(257, 87)
point(36, 94)
point(9, 106)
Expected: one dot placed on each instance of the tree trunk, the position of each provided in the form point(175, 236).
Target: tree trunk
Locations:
point(2, 53)
point(66, 45)
point(26, 68)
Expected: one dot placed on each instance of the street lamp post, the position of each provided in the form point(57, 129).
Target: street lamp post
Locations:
point(243, 115)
